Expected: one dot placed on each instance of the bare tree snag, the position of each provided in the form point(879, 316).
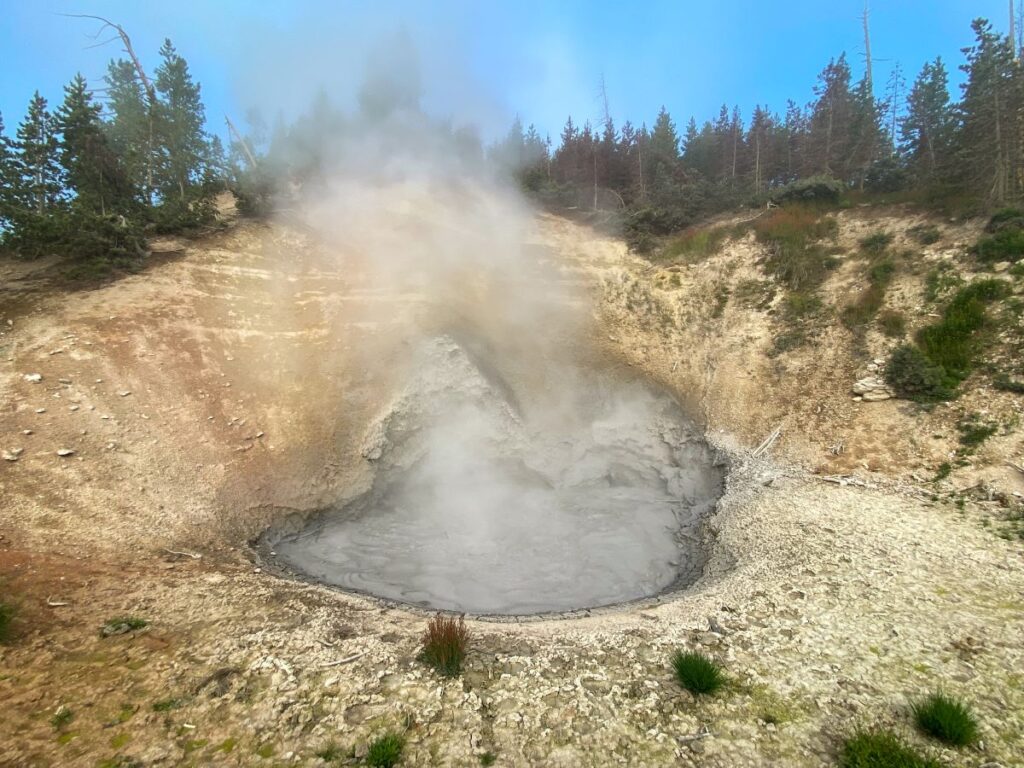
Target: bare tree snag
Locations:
point(146, 82)
point(242, 142)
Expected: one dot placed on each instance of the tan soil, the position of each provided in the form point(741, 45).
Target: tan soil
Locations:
point(250, 385)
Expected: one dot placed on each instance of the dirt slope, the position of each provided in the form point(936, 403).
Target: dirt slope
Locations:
point(248, 391)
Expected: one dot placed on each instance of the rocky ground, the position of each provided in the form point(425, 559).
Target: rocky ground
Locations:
point(230, 385)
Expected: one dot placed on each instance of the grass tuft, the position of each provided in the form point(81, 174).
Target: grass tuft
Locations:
point(330, 753)
point(122, 624)
point(62, 717)
point(7, 612)
point(444, 644)
point(385, 751)
point(925, 234)
point(695, 243)
point(946, 719)
point(697, 673)
point(875, 243)
point(488, 758)
point(881, 749)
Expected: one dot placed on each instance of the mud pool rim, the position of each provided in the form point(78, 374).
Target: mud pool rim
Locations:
point(261, 550)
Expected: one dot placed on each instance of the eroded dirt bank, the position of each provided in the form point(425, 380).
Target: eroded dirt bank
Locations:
point(234, 385)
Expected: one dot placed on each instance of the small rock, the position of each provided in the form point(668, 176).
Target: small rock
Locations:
point(1000, 266)
point(73, 408)
point(33, 377)
point(40, 410)
point(13, 454)
point(65, 452)
point(124, 392)
point(26, 431)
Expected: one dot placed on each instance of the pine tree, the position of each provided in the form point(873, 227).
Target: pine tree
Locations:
point(36, 158)
point(130, 129)
point(926, 131)
point(180, 119)
point(664, 147)
point(9, 179)
point(92, 172)
point(828, 141)
point(986, 151)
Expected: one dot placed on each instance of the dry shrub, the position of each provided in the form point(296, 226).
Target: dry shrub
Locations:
point(444, 644)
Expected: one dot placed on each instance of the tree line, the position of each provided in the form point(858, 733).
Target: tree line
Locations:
point(917, 141)
point(90, 177)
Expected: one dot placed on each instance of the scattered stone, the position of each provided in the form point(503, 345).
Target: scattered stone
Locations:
point(872, 389)
point(73, 408)
point(124, 392)
point(40, 410)
point(65, 452)
point(64, 381)
point(33, 377)
point(1000, 266)
point(13, 454)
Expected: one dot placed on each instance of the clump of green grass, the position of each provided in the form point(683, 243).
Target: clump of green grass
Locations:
point(166, 705)
point(697, 673)
point(913, 376)
point(7, 611)
point(1005, 238)
point(946, 719)
point(952, 341)
point(881, 749)
point(119, 625)
point(925, 234)
point(944, 471)
point(876, 243)
point(973, 433)
point(1004, 383)
point(444, 644)
point(386, 751)
point(488, 758)
point(946, 350)
point(62, 717)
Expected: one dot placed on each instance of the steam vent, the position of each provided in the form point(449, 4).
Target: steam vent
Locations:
point(480, 505)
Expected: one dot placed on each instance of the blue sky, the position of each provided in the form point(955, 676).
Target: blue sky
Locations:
point(485, 61)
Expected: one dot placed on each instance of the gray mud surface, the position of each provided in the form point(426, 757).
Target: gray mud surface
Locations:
point(481, 507)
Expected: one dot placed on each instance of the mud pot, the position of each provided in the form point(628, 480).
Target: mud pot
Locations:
point(482, 506)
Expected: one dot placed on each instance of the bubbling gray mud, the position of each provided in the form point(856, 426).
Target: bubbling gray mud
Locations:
point(478, 507)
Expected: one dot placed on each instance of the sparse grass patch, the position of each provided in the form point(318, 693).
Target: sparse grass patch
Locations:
point(697, 673)
point(881, 749)
point(799, 305)
point(973, 433)
point(166, 705)
point(444, 644)
point(939, 281)
point(695, 244)
point(1004, 383)
point(488, 758)
point(925, 234)
point(792, 235)
point(944, 470)
point(62, 717)
point(893, 323)
point(121, 625)
point(7, 612)
point(946, 719)
point(386, 751)
point(875, 243)
point(329, 753)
